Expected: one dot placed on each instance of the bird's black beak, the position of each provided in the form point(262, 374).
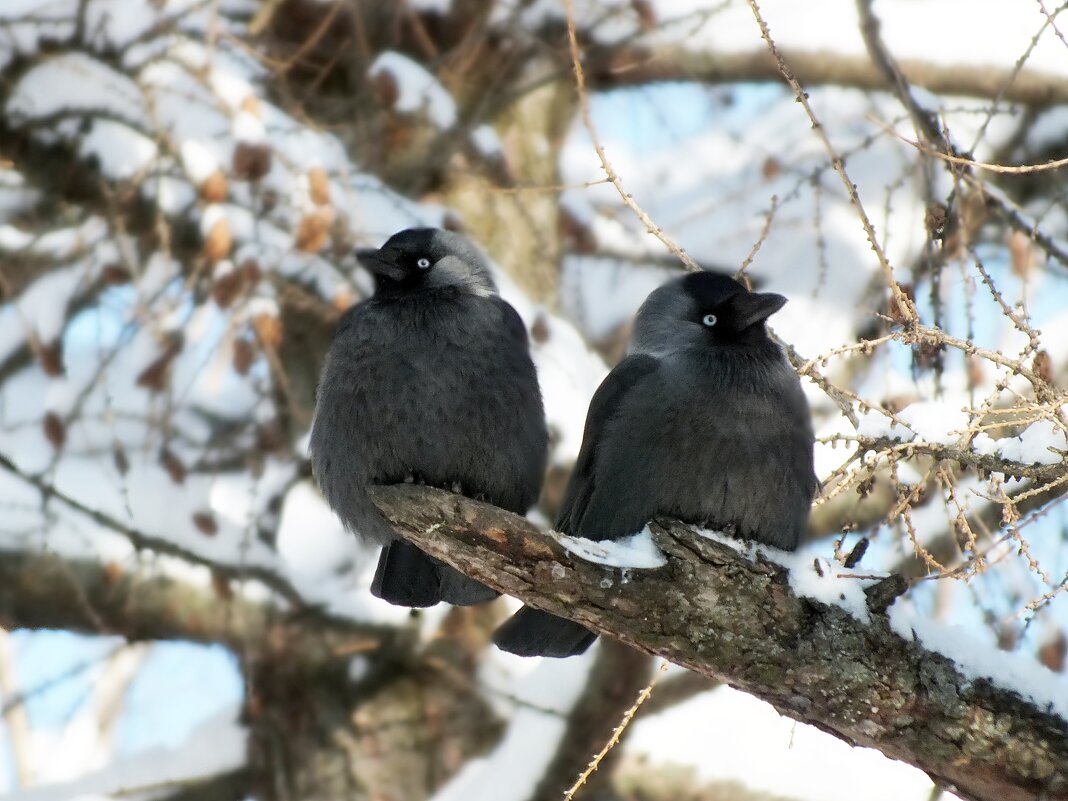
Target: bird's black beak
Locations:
point(755, 307)
point(380, 262)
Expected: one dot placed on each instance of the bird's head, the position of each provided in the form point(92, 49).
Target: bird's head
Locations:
point(428, 258)
point(702, 309)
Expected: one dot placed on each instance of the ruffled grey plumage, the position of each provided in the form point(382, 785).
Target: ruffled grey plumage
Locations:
point(704, 421)
point(429, 380)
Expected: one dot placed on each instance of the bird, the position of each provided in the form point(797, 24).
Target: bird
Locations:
point(703, 420)
point(429, 380)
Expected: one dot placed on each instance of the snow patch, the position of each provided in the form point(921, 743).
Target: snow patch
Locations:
point(935, 421)
point(1039, 443)
point(636, 551)
point(978, 660)
point(417, 89)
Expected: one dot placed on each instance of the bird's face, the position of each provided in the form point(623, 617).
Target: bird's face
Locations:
point(418, 259)
point(702, 309)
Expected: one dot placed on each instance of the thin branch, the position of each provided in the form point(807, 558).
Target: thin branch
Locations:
point(609, 171)
point(144, 541)
point(907, 308)
point(617, 732)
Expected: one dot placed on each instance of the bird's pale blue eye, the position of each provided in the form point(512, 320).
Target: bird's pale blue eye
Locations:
point(708, 320)
point(423, 263)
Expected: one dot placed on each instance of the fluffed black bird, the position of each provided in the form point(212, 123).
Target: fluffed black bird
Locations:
point(703, 421)
point(429, 380)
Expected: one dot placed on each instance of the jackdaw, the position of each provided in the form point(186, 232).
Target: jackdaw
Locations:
point(703, 421)
point(430, 380)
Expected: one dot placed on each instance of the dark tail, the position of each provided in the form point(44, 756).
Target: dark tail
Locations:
point(531, 632)
point(408, 577)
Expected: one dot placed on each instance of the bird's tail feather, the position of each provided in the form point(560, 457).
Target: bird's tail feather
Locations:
point(532, 632)
point(460, 590)
point(408, 577)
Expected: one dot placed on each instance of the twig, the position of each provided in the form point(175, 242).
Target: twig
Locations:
point(1004, 169)
point(609, 171)
point(617, 732)
point(908, 310)
point(143, 541)
point(760, 240)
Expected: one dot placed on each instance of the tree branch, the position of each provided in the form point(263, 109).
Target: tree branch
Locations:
point(711, 610)
point(610, 68)
point(44, 590)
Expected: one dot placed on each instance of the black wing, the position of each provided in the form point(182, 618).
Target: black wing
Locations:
point(606, 402)
point(513, 323)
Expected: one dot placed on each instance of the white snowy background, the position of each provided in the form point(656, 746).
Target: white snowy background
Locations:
point(704, 162)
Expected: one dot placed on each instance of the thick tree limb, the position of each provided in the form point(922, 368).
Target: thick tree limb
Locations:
point(610, 68)
point(44, 590)
point(711, 610)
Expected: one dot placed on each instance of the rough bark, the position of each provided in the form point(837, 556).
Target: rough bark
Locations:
point(713, 611)
point(42, 590)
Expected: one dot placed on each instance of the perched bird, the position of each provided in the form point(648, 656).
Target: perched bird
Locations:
point(703, 421)
point(430, 380)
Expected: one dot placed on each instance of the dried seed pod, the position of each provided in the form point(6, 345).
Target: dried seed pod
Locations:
point(113, 573)
point(894, 309)
point(312, 233)
point(54, 430)
point(215, 188)
point(154, 377)
point(115, 275)
point(205, 523)
point(219, 241)
point(244, 355)
point(1044, 366)
point(227, 285)
point(1052, 653)
point(934, 219)
point(251, 161)
point(318, 186)
point(173, 465)
point(250, 271)
point(251, 104)
point(1021, 249)
point(268, 330)
point(51, 358)
point(540, 330)
point(118, 456)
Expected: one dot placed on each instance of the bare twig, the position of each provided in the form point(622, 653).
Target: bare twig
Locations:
point(609, 171)
point(616, 733)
